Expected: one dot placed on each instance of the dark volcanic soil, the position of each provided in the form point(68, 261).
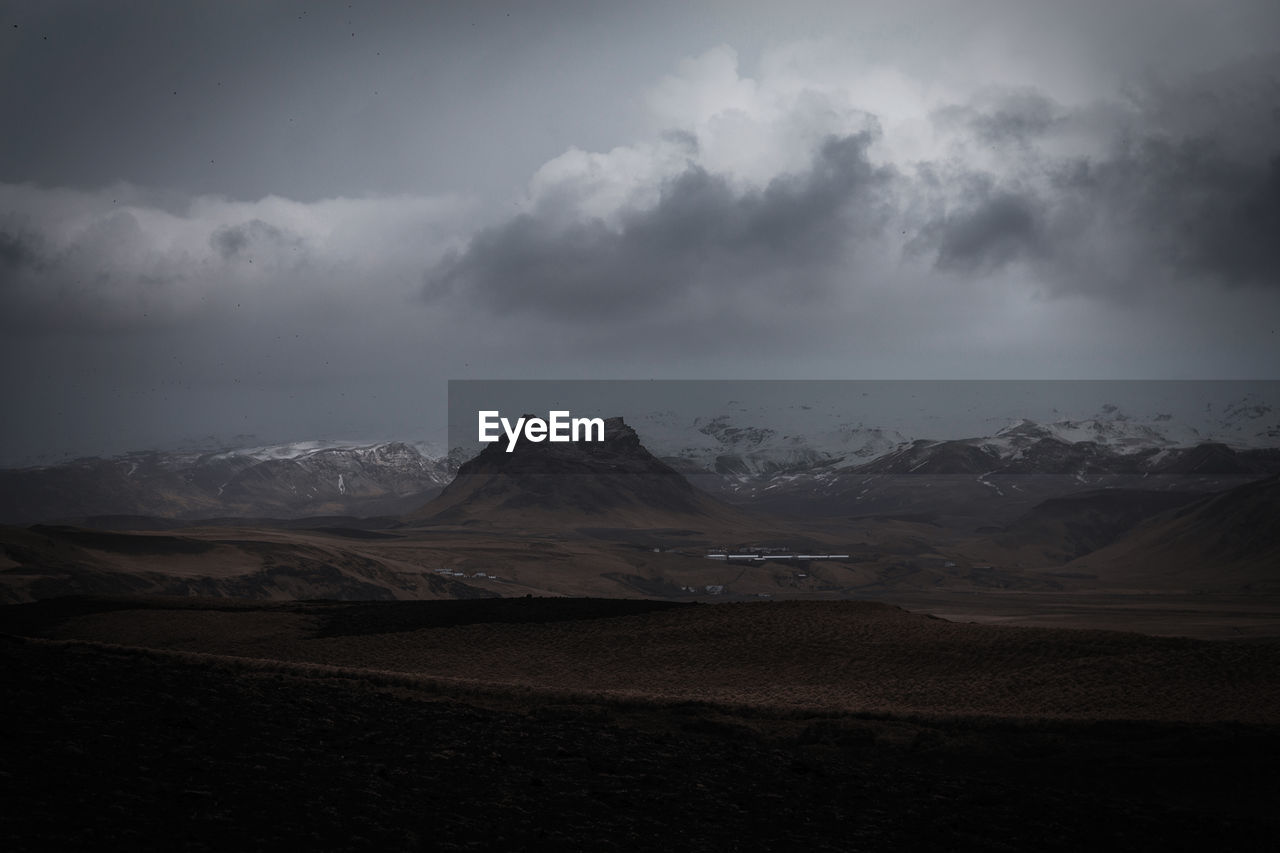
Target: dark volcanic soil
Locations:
point(128, 749)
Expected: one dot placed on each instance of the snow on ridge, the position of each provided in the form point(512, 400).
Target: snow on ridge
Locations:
point(296, 450)
point(1241, 426)
point(760, 437)
point(764, 440)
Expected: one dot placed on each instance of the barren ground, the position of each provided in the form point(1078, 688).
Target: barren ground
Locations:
point(596, 724)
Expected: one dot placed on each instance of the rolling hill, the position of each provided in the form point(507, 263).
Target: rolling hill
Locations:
point(1224, 541)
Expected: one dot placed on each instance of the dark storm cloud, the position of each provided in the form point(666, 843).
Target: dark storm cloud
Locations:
point(993, 228)
point(107, 278)
point(1182, 207)
point(682, 138)
point(702, 233)
point(230, 240)
point(17, 252)
point(210, 208)
point(1170, 194)
point(1188, 205)
point(86, 263)
point(1019, 116)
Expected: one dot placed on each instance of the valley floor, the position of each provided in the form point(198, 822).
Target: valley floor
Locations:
point(231, 732)
point(1203, 616)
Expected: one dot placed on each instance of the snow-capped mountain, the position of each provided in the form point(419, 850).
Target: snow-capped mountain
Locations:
point(279, 481)
point(740, 450)
point(825, 457)
point(853, 469)
point(1242, 425)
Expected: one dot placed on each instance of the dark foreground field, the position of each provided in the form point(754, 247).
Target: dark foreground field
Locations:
point(115, 746)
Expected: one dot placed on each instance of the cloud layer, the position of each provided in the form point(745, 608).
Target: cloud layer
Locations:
point(118, 260)
point(702, 240)
point(817, 210)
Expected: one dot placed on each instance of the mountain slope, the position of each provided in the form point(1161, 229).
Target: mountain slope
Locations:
point(1062, 529)
point(285, 482)
point(616, 482)
point(1225, 541)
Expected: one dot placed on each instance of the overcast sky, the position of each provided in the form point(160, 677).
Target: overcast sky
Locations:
point(294, 220)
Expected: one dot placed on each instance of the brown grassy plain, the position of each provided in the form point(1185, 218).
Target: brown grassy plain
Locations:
point(843, 656)
point(610, 724)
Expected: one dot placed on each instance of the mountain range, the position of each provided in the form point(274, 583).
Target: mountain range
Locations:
point(611, 518)
point(840, 468)
point(287, 481)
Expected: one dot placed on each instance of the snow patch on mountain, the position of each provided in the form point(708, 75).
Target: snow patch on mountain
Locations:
point(733, 445)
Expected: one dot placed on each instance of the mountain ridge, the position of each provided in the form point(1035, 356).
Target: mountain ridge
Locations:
point(837, 469)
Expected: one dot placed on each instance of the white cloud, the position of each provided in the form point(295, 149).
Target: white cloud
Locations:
point(113, 259)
